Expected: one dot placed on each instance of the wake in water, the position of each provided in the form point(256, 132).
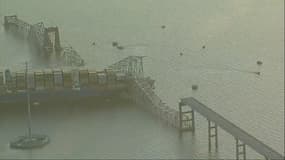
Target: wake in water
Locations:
point(226, 68)
point(245, 71)
point(216, 68)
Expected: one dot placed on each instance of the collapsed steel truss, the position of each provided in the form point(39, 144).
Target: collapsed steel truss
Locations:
point(132, 66)
point(39, 37)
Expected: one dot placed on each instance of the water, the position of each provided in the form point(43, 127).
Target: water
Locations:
point(236, 35)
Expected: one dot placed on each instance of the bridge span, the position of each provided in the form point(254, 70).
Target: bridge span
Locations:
point(242, 137)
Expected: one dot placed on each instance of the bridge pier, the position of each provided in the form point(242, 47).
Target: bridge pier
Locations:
point(240, 146)
point(186, 123)
point(239, 134)
point(212, 128)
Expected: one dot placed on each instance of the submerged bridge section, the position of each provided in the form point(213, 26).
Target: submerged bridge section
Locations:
point(44, 41)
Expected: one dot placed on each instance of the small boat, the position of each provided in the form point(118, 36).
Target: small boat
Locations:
point(29, 142)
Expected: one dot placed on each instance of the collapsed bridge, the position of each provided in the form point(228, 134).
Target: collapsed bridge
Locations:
point(43, 41)
point(125, 76)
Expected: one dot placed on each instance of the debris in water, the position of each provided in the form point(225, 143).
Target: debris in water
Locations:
point(204, 47)
point(163, 26)
point(259, 63)
point(194, 87)
point(181, 54)
point(120, 47)
point(93, 44)
point(115, 44)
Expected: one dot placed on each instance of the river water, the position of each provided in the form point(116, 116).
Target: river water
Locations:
point(236, 34)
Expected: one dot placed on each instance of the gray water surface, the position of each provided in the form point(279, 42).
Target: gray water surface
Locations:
point(236, 34)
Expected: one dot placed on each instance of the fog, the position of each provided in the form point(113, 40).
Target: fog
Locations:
point(214, 44)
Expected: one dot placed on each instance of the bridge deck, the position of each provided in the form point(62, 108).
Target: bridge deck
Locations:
point(231, 128)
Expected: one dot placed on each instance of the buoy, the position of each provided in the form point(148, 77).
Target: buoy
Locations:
point(194, 87)
point(259, 62)
point(114, 44)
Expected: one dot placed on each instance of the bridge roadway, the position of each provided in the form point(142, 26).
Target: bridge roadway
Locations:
point(231, 128)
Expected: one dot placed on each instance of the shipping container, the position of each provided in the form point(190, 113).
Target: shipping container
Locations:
point(67, 80)
point(48, 80)
point(93, 78)
point(58, 78)
point(39, 80)
point(83, 78)
point(120, 76)
point(102, 78)
point(111, 76)
point(21, 81)
point(31, 81)
point(10, 80)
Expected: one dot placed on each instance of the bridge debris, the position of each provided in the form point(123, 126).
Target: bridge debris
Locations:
point(259, 63)
point(194, 87)
point(131, 66)
point(43, 41)
point(115, 44)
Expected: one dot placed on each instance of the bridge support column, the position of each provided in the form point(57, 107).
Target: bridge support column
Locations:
point(240, 150)
point(214, 129)
point(186, 119)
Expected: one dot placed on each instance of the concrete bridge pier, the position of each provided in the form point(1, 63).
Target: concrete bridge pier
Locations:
point(212, 133)
point(188, 124)
point(240, 149)
point(186, 118)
